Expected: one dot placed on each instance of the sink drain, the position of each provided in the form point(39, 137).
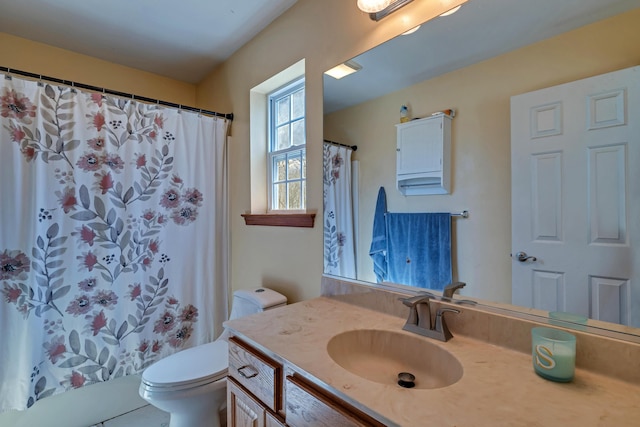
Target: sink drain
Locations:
point(406, 380)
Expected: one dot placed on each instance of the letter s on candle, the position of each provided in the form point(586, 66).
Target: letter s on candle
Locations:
point(545, 354)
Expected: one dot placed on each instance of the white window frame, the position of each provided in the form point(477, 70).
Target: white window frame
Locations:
point(292, 151)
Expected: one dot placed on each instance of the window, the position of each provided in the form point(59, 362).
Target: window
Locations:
point(287, 160)
point(264, 162)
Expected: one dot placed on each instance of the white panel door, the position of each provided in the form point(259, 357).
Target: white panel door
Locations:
point(575, 194)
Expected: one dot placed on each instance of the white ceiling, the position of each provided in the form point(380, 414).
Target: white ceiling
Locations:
point(187, 39)
point(481, 29)
point(181, 39)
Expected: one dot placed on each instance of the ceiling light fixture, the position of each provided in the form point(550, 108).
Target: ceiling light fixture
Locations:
point(451, 11)
point(343, 70)
point(373, 6)
point(378, 9)
point(411, 31)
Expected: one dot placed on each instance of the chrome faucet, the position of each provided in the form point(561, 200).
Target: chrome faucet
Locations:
point(419, 320)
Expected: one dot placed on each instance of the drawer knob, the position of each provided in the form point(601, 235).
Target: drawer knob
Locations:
point(250, 371)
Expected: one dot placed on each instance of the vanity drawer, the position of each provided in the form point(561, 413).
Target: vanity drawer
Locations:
point(305, 406)
point(258, 373)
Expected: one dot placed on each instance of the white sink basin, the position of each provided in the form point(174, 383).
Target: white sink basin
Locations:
point(380, 356)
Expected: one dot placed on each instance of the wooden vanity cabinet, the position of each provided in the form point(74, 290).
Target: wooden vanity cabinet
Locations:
point(307, 405)
point(254, 388)
point(258, 395)
point(243, 410)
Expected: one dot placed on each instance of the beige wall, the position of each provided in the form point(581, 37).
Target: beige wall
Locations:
point(38, 58)
point(480, 94)
point(325, 33)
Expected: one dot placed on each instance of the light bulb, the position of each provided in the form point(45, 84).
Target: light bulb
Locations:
point(411, 31)
point(451, 11)
point(373, 6)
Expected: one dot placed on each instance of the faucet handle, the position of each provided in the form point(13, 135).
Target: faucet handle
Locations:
point(441, 325)
point(412, 301)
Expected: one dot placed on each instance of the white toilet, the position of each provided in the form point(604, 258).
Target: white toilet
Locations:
point(191, 384)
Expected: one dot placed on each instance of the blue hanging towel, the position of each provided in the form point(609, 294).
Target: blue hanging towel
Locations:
point(419, 249)
point(378, 248)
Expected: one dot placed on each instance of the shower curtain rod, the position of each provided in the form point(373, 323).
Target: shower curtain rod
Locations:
point(228, 116)
point(353, 147)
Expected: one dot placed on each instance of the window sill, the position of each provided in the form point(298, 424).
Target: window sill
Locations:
point(280, 220)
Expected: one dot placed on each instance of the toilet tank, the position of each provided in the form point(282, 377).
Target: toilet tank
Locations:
point(250, 301)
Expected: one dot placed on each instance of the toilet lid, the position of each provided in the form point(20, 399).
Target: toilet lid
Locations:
point(195, 366)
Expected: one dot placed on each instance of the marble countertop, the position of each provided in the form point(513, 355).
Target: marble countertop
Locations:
point(498, 387)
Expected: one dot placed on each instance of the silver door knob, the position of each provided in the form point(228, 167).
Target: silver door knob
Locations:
point(523, 257)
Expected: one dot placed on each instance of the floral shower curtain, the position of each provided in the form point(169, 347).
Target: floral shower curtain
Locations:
point(338, 221)
point(112, 236)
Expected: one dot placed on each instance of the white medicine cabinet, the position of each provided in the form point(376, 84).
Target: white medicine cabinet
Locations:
point(424, 156)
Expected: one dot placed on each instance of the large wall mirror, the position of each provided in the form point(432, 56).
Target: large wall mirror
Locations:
point(474, 62)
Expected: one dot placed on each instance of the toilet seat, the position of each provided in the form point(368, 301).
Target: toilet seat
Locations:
point(194, 367)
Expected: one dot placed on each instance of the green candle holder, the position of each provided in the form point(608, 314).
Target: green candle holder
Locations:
point(554, 354)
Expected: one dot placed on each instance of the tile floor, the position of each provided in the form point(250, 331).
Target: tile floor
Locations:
point(147, 416)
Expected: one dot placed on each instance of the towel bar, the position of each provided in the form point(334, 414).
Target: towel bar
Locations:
point(463, 214)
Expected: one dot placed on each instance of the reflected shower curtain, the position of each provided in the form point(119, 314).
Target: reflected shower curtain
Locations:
point(338, 221)
point(112, 237)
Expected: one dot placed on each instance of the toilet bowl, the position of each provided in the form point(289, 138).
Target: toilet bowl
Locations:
point(191, 384)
